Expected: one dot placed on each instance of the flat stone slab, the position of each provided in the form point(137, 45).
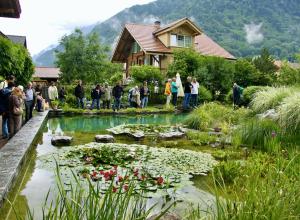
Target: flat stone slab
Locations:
point(171, 135)
point(136, 135)
point(61, 140)
point(104, 138)
point(168, 216)
point(15, 152)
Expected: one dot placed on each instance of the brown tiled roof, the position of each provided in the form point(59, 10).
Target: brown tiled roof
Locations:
point(46, 72)
point(279, 64)
point(206, 46)
point(10, 8)
point(143, 34)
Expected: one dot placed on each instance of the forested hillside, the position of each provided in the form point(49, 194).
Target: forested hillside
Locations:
point(242, 27)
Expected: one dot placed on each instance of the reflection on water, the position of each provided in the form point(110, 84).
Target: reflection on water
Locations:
point(37, 181)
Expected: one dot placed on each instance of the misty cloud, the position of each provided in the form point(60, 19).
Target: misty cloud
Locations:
point(254, 33)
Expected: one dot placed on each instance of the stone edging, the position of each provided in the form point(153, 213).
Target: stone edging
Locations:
point(15, 152)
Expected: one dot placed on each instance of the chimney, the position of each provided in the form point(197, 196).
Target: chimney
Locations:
point(157, 24)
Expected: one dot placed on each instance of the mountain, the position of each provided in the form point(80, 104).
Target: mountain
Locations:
point(242, 27)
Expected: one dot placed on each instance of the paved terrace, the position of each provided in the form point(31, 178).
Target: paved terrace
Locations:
point(15, 152)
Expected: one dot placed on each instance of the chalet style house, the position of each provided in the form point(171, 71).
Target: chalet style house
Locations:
point(141, 44)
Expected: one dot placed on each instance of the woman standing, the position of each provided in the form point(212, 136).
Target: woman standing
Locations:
point(15, 110)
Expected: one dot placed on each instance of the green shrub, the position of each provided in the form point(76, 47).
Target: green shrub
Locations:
point(204, 95)
point(201, 138)
point(270, 98)
point(288, 76)
point(211, 115)
point(146, 73)
point(249, 92)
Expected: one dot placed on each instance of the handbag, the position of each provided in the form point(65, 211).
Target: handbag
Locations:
point(18, 111)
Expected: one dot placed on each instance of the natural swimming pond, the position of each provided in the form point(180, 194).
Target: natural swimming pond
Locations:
point(32, 187)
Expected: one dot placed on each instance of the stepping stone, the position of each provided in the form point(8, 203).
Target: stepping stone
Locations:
point(137, 135)
point(104, 138)
point(171, 135)
point(167, 216)
point(61, 140)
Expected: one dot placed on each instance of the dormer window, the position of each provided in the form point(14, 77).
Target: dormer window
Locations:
point(178, 40)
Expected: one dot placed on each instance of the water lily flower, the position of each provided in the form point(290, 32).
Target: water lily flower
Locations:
point(120, 178)
point(94, 174)
point(160, 180)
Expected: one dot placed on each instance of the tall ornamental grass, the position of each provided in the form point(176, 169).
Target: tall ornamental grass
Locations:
point(289, 113)
point(271, 98)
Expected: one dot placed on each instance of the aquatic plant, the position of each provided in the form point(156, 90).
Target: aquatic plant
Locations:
point(146, 166)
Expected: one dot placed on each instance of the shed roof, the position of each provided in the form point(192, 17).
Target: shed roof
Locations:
point(18, 39)
point(46, 72)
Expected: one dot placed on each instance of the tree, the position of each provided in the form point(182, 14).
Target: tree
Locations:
point(246, 74)
point(15, 60)
point(265, 64)
point(83, 58)
point(288, 75)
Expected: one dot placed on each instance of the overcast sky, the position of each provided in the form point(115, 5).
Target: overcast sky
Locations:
point(44, 22)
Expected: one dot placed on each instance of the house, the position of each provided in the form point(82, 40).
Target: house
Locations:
point(44, 75)
point(141, 44)
point(10, 8)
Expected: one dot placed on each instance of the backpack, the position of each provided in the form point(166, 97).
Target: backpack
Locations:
point(4, 99)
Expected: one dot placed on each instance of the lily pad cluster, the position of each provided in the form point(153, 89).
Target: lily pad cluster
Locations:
point(151, 168)
point(145, 129)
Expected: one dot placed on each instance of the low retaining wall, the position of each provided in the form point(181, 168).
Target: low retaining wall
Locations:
point(15, 152)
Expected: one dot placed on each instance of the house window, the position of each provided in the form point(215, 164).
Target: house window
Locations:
point(135, 47)
point(181, 40)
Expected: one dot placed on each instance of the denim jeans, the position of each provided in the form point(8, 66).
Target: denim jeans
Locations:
point(80, 102)
point(145, 102)
point(117, 104)
point(194, 99)
point(186, 101)
point(95, 102)
point(5, 133)
point(174, 98)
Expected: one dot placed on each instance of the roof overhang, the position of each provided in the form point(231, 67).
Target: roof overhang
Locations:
point(10, 8)
point(184, 21)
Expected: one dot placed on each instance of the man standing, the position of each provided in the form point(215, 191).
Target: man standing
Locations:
point(96, 95)
point(52, 93)
point(174, 90)
point(237, 92)
point(79, 94)
point(117, 93)
point(187, 93)
point(144, 93)
point(194, 94)
point(4, 108)
point(29, 101)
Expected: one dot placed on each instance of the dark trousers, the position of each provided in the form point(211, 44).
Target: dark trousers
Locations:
point(80, 102)
point(39, 105)
point(174, 98)
point(106, 104)
point(117, 104)
point(194, 100)
point(28, 109)
point(186, 101)
point(95, 102)
point(5, 121)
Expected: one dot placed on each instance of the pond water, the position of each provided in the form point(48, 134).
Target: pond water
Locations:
point(35, 181)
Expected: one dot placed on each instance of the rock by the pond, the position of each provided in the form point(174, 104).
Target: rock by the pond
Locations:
point(137, 135)
point(171, 135)
point(61, 140)
point(269, 114)
point(104, 138)
point(168, 216)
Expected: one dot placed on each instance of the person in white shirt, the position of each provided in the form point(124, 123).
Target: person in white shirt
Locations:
point(52, 93)
point(194, 93)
